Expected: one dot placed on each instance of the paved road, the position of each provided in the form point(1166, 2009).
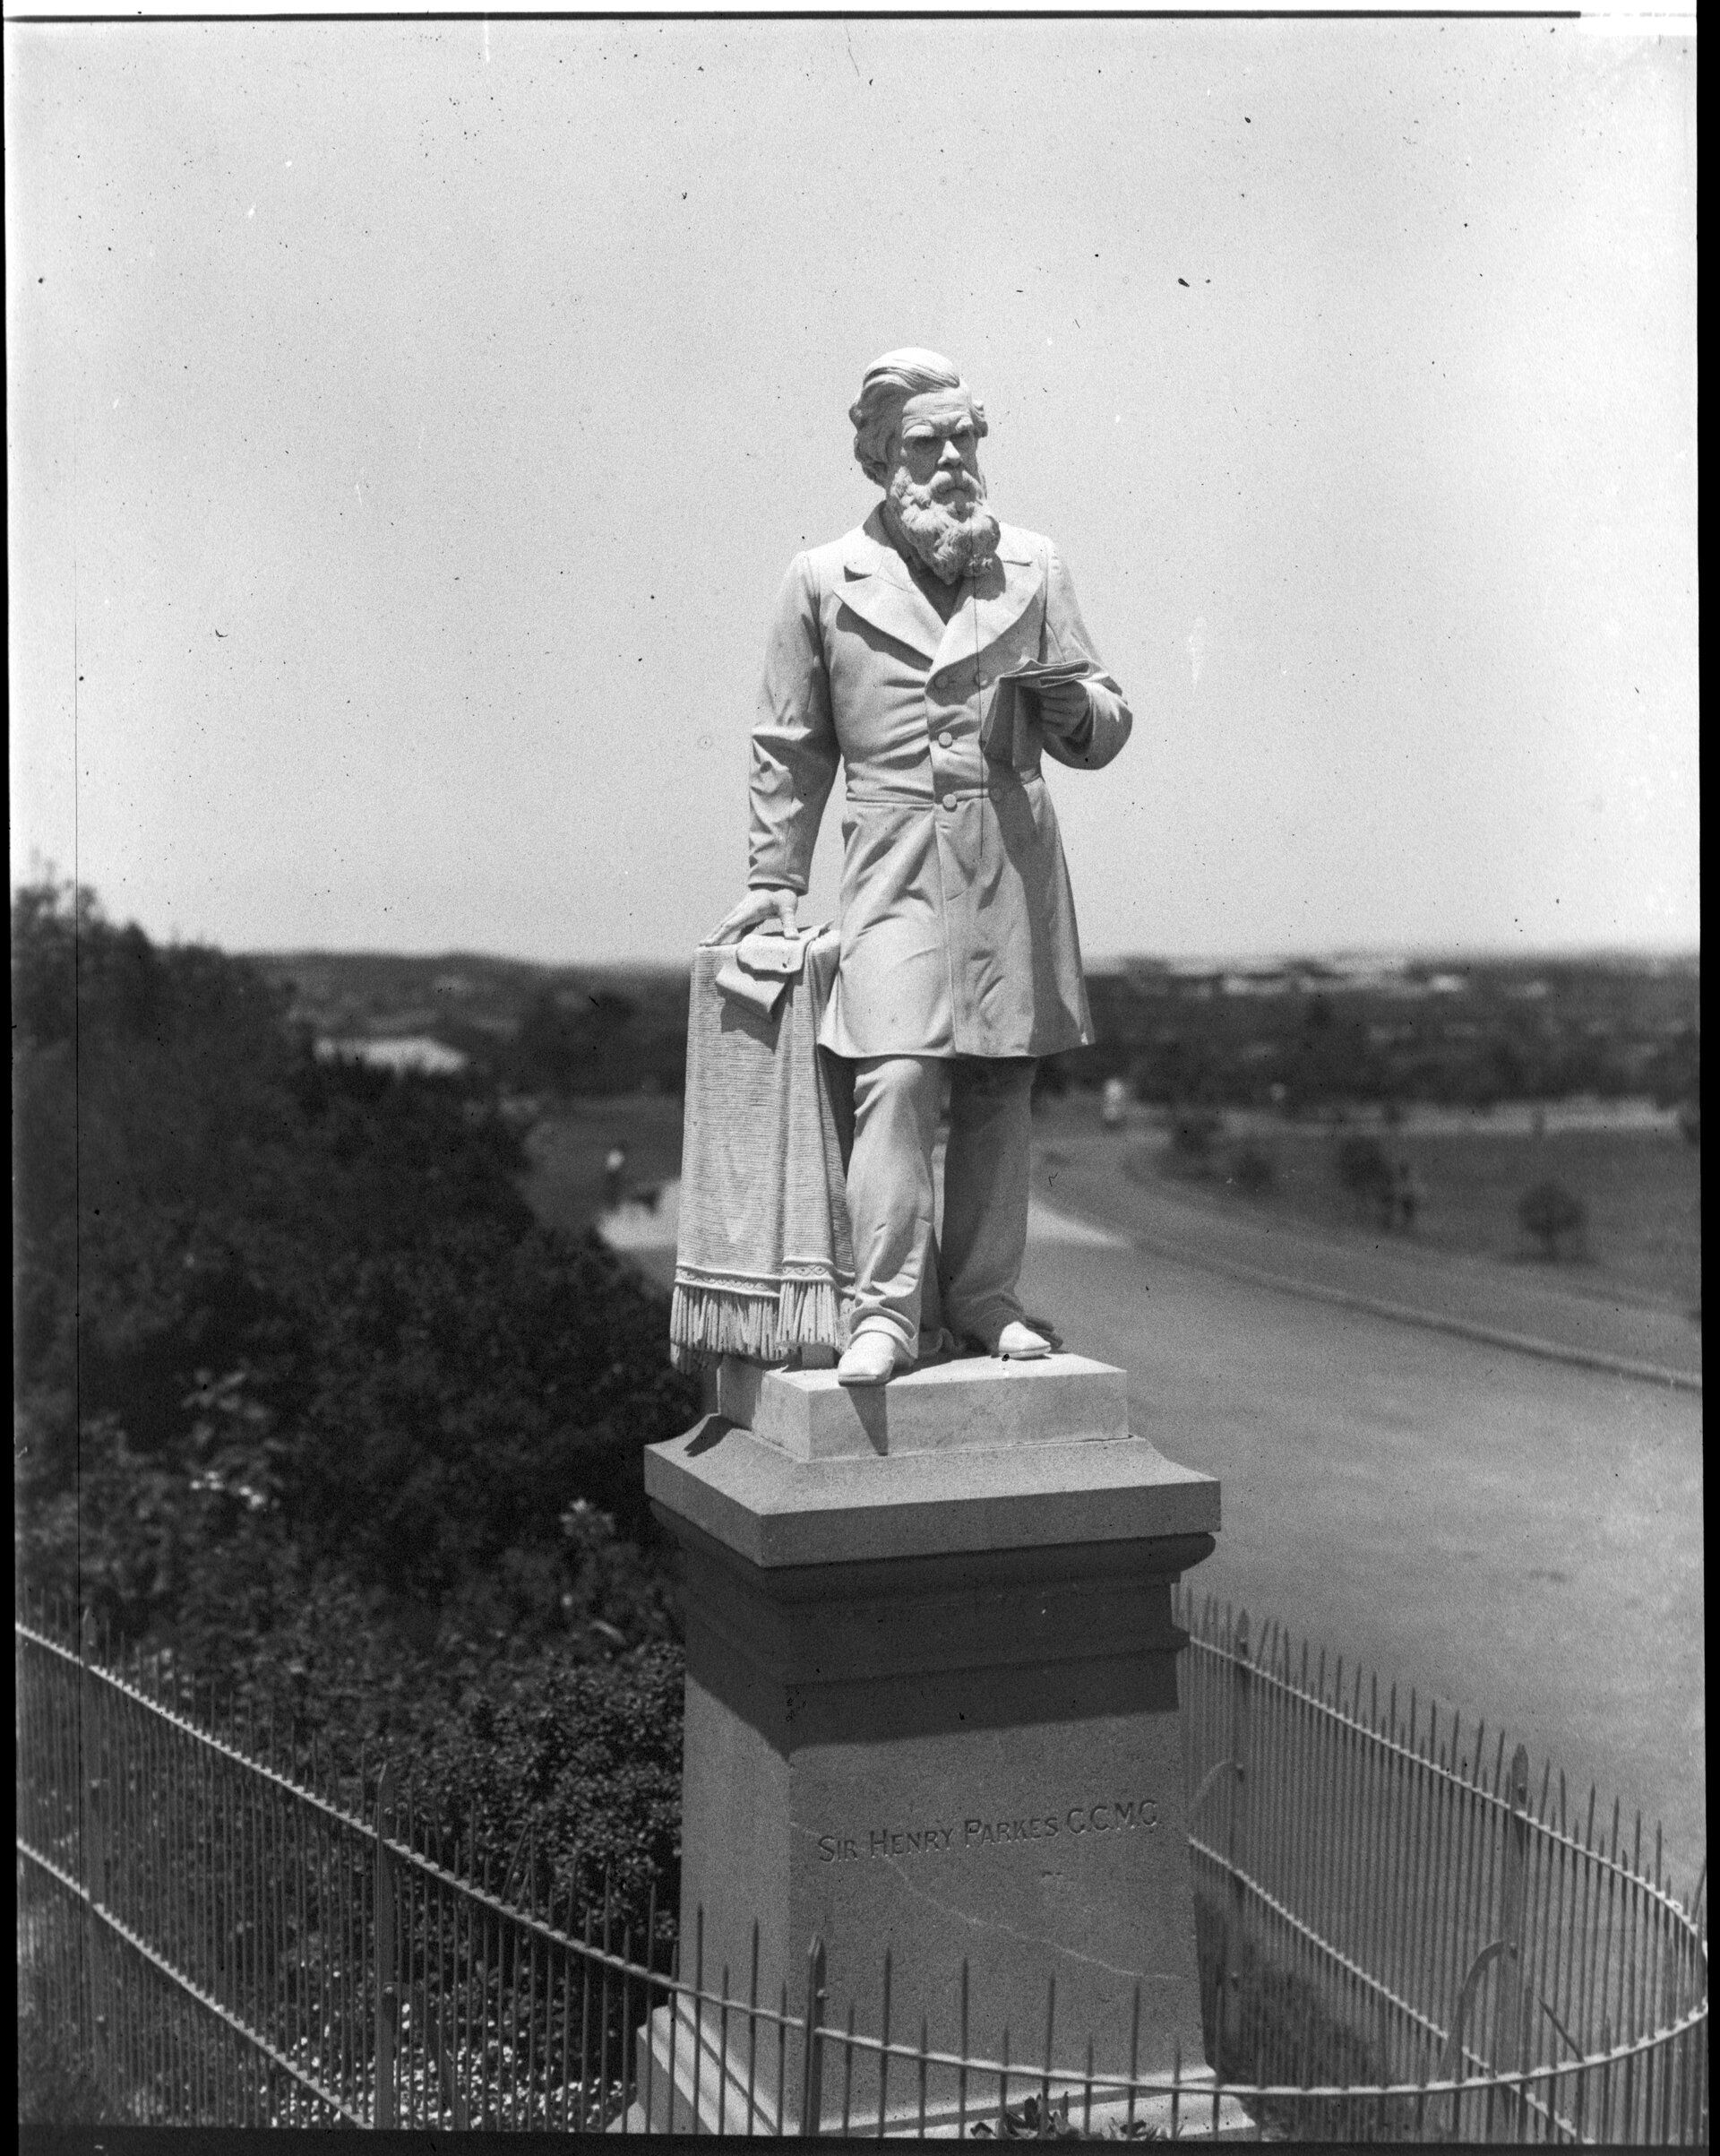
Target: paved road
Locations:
point(1520, 1538)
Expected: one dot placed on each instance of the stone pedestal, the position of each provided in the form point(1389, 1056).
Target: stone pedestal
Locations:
point(930, 1712)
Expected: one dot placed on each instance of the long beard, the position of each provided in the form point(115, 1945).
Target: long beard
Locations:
point(946, 523)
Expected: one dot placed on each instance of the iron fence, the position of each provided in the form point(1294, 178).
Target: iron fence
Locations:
point(1385, 1894)
point(1398, 1939)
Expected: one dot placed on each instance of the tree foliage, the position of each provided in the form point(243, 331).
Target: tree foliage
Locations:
point(307, 1401)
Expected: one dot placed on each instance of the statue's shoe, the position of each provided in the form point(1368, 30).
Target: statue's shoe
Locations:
point(1018, 1342)
point(872, 1359)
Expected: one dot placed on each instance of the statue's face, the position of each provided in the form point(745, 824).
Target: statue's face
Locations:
point(936, 447)
point(934, 497)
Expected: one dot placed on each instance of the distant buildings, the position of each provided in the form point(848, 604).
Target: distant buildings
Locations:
point(415, 1052)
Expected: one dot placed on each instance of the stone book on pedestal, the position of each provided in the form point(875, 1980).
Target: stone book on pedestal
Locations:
point(931, 1710)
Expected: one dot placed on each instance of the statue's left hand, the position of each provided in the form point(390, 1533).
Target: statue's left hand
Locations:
point(1062, 706)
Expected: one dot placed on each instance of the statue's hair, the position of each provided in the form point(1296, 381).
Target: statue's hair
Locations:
point(889, 384)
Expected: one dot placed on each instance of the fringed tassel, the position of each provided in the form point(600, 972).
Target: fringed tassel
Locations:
point(719, 1321)
point(813, 1314)
point(708, 1323)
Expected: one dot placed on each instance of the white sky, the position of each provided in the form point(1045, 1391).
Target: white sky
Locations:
point(431, 411)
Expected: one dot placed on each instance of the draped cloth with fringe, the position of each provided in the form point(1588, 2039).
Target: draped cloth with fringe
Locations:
point(764, 1262)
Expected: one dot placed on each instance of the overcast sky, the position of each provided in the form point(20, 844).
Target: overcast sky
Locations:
point(411, 424)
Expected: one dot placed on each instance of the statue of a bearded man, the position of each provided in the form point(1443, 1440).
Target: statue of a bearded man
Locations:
point(934, 655)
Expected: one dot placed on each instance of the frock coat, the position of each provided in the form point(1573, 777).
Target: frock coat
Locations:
point(957, 923)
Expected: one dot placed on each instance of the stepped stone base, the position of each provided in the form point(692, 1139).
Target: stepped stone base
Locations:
point(931, 1714)
point(968, 1404)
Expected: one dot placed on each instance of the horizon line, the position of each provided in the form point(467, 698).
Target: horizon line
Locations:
point(1209, 962)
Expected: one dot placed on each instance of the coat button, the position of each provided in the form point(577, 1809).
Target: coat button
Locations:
point(946, 740)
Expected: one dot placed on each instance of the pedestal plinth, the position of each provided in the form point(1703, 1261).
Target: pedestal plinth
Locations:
point(931, 1710)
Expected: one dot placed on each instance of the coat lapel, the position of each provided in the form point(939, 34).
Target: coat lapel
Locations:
point(995, 601)
point(877, 587)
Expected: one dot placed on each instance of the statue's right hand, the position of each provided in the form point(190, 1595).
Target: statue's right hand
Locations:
point(759, 908)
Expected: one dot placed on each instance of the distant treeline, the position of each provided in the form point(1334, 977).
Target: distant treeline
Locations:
point(1493, 1032)
point(1297, 1036)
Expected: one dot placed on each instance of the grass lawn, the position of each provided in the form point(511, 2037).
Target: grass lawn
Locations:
point(1642, 1186)
point(567, 1150)
point(1643, 1189)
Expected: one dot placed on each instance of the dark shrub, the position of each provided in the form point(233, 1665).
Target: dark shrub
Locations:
point(1366, 1173)
point(582, 1760)
point(1362, 1168)
point(1194, 1133)
point(1253, 1169)
point(1553, 1215)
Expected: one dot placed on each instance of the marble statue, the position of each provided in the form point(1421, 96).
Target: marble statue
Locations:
point(934, 655)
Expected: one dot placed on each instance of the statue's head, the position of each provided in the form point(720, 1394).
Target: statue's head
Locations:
point(910, 375)
point(916, 433)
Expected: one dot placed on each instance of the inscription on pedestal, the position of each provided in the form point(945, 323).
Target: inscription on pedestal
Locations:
point(958, 1837)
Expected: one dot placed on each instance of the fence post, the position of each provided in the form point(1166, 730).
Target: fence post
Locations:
point(1230, 1975)
point(812, 2089)
point(92, 1860)
point(388, 1995)
point(1513, 1903)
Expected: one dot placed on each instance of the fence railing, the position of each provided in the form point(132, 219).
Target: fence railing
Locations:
point(1451, 1924)
point(1400, 1938)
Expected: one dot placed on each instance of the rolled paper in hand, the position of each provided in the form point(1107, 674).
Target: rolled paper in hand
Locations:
point(999, 738)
